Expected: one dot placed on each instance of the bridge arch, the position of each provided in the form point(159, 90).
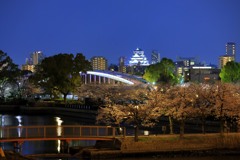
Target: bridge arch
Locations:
point(110, 77)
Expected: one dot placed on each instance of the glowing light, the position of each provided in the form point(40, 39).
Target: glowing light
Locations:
point(59, 132)
point(58, 146)
point(19, 118)
point(110, 76)
point(202, 67)
point(59, 128)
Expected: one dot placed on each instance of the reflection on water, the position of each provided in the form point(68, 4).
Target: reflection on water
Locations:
point(19, 119)
point(156, 158)
point(40, 147)
point(184, 158)
point(59, 128)
point(59, 132)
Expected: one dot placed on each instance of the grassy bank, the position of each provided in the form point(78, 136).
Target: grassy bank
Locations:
point(168, 145)
point(188, 142)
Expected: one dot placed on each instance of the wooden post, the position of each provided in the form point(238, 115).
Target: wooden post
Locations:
point(124, 132)
point(80, 132)
point(26, 132)
point(114, 131)
point(68, 145)
point(97, 131)
point(44, 132)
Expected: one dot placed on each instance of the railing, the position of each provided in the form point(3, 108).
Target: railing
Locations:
point(8, 133)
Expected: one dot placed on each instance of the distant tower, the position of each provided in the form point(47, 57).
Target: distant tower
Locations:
point(122, 66)
point(231, 49)
point(155, 57)
point(27, 61)
point(36, 57)
point(224, 59)
point(229, 56)
point(99, 63)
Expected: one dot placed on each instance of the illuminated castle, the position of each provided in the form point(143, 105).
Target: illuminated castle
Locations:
point(138, 58)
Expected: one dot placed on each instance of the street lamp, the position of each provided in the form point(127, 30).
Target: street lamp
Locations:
point(136, 123)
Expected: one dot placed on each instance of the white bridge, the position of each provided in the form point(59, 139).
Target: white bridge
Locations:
point(110, 77)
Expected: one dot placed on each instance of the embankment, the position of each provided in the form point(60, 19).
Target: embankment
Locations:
point(83, 112)
point(172, 146)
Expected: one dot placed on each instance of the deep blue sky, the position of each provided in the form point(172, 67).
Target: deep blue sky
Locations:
point(114, 28)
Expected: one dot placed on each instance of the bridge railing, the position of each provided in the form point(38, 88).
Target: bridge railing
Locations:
point(67, 131)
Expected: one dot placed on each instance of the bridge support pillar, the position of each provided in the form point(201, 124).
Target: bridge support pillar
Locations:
point(17, 146)
point(65, 146)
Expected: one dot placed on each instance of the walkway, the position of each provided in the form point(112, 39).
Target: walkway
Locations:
point(67, 133)
point(111, 77)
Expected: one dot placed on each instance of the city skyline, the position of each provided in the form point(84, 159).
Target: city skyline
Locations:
point(186, 28)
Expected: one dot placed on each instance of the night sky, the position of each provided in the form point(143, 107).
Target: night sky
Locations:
point(114, 28)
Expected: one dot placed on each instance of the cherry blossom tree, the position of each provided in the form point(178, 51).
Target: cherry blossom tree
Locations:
point(160, 99)
point(203, 104)
point(226, 102)
point(126, 104)
point(182, 105)
point(175, 102)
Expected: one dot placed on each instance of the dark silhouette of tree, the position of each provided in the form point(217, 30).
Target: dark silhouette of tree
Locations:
point(60, 73)
point(9, 73)
point(113, 67)
point(27, 89)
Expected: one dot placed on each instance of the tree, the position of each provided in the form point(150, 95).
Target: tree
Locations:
point(126, 104)
point(160, 99)
point(9, 74)
point(203, 104)
point(182, 104)
point(111, 112)
point(163, 72)
point(167, 74)
point(26, 88)
point(137, 110)
point(226, 102)
point(230, 72)
point(113, 67)
point(152, 73)
point(60, 73)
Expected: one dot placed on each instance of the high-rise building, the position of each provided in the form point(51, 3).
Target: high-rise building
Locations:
point(99, 63)
point(138, 58)
point(36, 57)
point(183, 66)
point(122, 67)
point(229, 56)
point(155, 57)
point(231, 49)
point(28, 67)
point(224, 59)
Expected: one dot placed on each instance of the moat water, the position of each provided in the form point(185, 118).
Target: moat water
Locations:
point(42, 147)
